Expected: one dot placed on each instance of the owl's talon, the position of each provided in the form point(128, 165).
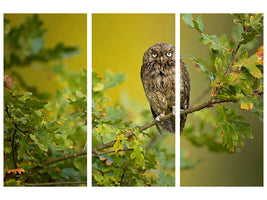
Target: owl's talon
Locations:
point(159, 117)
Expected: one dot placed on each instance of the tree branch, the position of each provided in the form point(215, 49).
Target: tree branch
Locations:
point(55, 183)
point(65, 157)
point(210, 103)
point(207, 104)
point(60, 158)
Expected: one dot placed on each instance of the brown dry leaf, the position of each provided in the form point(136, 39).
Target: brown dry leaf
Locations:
point(16, 171)
point(129, 139)
point(108, 162)
point(102, 158)
point(8, 82)
point(197, 67)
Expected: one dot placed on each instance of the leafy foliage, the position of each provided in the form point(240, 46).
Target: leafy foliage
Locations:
point(25, 45)
point(235, 76)
point(138, 160)
point(38, 130)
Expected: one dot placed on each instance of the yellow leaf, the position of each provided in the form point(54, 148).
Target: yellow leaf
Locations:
point(246, 106)
point(57, 169)
point(259, 54)
point(98, 87)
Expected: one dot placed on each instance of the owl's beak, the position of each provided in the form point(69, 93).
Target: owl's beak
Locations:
point(161, 59)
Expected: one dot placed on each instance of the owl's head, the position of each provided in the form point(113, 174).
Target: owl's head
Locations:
point(159, 53)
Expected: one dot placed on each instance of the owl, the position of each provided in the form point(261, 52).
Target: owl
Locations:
point(158, 78)
point(184, 91)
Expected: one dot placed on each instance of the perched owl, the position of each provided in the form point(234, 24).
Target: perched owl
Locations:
point(184, 91)
point(158, 78)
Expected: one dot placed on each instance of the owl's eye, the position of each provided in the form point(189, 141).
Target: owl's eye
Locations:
point(154, 55)
point(169, 54)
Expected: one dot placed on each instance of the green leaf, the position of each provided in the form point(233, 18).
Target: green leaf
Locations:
point(115, 115)
point(98, 87)
point(111, 80)
point(7, 149)
point(185, 162)
point(221, 43)
point(25, 96)
point(247, 37)
point(137, 153)
point(165, 179)
point(232, 128)
point(200, 23)
point(253, 70)
point(23, 147)
point(35, 104)
point(251, 65)
point(188, 19)
point(237, 32)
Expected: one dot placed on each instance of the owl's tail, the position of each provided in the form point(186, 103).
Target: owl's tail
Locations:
point(182, 123)
point(169, 125)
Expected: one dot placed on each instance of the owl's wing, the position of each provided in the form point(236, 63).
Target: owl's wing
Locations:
point(184, 92)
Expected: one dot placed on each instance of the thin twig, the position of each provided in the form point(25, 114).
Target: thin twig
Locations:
point(107, 152)
point(13, 146)
point(14, 123)
point(123, 174)
point(232, 60)
point(55, 183)
point(228, 69)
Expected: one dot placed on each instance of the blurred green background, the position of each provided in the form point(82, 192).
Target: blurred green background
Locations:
point(244, 168)
point(71, 29)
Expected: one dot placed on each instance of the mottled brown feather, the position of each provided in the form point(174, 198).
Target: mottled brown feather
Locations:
point(158, 78)
point(184, 92)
